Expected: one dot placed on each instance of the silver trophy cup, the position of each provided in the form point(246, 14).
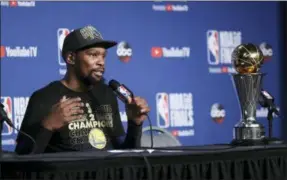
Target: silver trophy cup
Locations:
point(247, 60)
point(248, 87)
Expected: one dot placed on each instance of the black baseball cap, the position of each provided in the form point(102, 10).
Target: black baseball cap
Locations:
point(85, 37)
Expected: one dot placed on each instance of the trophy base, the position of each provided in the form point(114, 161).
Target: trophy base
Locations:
point(272, 141)
point(249, 131)
point(247, 142)
point(258, 142)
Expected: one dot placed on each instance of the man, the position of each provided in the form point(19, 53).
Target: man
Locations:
point(80, 112)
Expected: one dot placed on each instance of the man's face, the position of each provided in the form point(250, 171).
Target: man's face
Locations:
point(90, 64)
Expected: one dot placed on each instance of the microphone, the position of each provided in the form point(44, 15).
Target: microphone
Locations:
point(267, 100)
point(4, 116)
point(124, 94)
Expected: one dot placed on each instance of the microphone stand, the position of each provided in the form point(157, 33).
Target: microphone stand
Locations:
point(1, 129)
point(270, 122)
point(1, 151)
point(271, 139)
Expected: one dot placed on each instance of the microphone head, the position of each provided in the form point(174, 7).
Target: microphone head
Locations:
point(266, 95)
point(114, 84)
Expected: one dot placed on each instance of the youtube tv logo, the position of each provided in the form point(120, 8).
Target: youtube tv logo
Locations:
point(13, 3)
point(171, 8)
point(16, 4)
point(172, 52)
point(156, 52)
point(2, 51)
point(18, 51)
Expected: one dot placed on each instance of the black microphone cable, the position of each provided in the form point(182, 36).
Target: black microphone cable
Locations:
point(5, 118)
point(25, 134)
point(151, 131)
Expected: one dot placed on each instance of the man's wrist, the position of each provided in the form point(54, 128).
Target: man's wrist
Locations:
point(47, 125)
point(134, 129)
point(133, 122)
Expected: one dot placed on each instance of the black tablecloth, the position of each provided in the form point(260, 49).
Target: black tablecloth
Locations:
point(194, 163)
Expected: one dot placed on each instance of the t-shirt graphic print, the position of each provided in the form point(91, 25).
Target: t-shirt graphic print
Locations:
point(92, 130)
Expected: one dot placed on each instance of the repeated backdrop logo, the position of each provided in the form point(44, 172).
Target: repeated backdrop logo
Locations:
point(266, 50)
point(170, 8)
point(18, 51)
point(14, 4)
point(175, 113)
point(217, 113)
point(124, 51)
point(15, 108)
point(220, 45)
point(172, 52)
point(61, 34)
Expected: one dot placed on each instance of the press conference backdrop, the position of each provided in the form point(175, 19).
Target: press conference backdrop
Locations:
point(176, 55)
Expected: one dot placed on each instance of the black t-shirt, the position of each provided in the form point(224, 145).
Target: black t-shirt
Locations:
point(97, 130)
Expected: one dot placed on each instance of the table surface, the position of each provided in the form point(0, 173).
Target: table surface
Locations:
point(149, 152)
point(195, 163)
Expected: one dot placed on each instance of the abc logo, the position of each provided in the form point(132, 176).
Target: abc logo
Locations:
point(217, 113)
point(124, 51)
point(266, 50)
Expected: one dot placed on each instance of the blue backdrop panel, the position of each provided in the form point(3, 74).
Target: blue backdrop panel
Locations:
point(176, 55)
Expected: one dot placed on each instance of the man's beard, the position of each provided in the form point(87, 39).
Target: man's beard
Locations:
point(89, 80)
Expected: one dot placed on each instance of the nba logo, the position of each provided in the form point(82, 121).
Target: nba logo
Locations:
point(213, 47)
point(124, 91)
point(162, 106)
point(61, 35)
point(7, 102)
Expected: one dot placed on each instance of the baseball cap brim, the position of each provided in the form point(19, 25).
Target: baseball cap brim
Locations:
point(103, 43)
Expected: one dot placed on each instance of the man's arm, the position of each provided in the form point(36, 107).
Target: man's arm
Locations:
point(31, 124)
point(130, 140)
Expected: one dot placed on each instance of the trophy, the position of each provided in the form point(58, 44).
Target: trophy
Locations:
point(247, 60)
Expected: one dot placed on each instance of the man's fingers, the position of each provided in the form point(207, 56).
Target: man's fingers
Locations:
point(73, 105)
point(76, 110)
point(130, 100)
point(64, 98)
point(73, 118)
point(140, 101)
point(67, 102)
point(142, 105)
point(145, 110)
point(73, 109)
point(139, 106)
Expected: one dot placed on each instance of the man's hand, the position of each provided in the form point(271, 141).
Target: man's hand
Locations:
point(64, 112)
point(137, 109)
